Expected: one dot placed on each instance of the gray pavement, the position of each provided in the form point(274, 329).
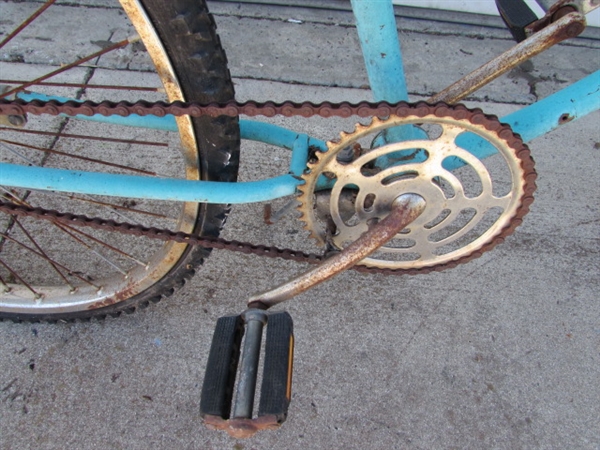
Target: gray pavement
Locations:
point(502, 353)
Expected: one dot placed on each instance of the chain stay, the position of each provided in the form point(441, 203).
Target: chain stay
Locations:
point(250, 108)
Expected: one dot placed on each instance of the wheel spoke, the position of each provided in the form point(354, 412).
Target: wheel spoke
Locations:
point(128, 271)
point(113, 206)
point(54, 263)
point(87, 86)
point(93, 250)
point(17, 154)
point(42, 255)
point(83, 158)
point(85, 137)
point(16, 275)
point(105, 244)
point(120, 44)
point(26, 23)
point(40, 252)
point(71, 230)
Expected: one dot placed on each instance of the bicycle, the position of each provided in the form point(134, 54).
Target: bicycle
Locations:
point(173, 263)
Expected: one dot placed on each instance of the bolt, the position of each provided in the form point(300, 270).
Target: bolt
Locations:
point(575, 29)
point(562, 12)
point(17, 121)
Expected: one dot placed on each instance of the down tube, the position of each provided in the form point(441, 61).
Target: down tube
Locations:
point(134, 186)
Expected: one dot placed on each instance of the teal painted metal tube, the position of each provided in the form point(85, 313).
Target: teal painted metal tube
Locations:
point(380, 45)
point(571, 103)
point(133, 186)
point(249, 129)
point(376, 26)
point(275, 135)
point(299, 155)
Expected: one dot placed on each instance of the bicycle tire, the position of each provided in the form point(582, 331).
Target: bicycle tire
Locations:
point(187, 32)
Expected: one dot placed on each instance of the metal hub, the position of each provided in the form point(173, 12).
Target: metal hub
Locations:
point(471, 202)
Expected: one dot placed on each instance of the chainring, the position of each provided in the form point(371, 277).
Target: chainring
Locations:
point(472, 203)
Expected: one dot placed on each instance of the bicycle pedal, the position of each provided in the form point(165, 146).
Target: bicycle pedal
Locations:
point(228, 391)
point(517, 15)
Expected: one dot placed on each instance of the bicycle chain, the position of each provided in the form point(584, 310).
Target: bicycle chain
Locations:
point(250, 108)
point(268, 109)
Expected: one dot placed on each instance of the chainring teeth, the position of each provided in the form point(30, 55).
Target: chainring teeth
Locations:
point(516, 157)
point(305, 215)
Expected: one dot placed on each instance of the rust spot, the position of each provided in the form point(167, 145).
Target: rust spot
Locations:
point(558, 10)
point(562, 12)
point(171, 259)
point(565, 118)
point(267, 214)
point(119, 297)
point(242, 428)
point(103, 303)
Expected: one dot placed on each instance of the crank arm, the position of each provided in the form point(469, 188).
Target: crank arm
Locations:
point(405, 209)
point(566, 27)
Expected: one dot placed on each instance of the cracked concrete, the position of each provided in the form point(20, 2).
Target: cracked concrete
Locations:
point(421, 45)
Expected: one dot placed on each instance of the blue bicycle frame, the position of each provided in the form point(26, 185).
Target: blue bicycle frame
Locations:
point(381, 50)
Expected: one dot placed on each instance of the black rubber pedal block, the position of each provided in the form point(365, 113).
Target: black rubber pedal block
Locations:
point(276, 389)
point(219, 380)
point(516, 15)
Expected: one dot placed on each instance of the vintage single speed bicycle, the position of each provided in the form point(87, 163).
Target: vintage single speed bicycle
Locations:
point(87, 167)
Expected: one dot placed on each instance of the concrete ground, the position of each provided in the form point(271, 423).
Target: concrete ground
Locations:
point(500, 353)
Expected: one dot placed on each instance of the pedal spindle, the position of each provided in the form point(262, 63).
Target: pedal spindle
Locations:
point(227, 401)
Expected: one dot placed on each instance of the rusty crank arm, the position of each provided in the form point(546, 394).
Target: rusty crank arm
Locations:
point(405, 209)
point(569, 26)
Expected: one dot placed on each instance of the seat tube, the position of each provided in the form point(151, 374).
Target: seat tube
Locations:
point(376, 25)
point(378, 36)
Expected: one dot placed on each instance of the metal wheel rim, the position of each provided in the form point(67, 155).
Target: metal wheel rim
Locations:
point(115, 288)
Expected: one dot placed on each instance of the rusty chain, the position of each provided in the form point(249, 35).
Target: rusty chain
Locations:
point(232, 109)
point(268, 109)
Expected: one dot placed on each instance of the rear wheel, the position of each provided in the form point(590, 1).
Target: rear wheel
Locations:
point(51, 272)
